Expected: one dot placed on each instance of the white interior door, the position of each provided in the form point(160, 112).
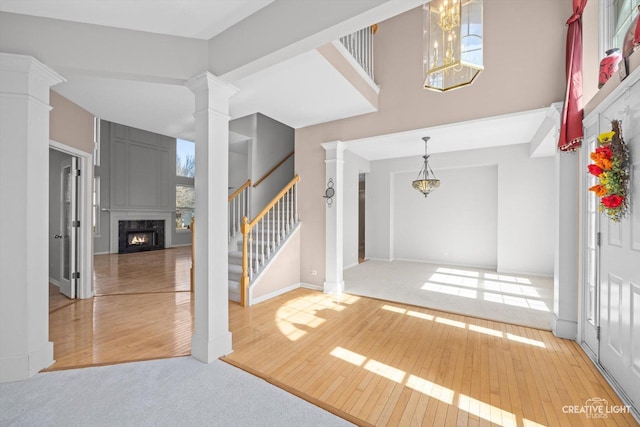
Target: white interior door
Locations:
point(69, 226)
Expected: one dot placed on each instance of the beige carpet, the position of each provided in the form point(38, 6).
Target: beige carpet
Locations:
point(518, 299)
point(167, 392)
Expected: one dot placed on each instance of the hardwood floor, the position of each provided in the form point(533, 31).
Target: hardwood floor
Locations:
point(142, 310)
point(370, 361)
point(143, 272)
point(390, 364)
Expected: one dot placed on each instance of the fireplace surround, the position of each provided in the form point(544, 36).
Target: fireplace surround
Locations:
point(140, 235)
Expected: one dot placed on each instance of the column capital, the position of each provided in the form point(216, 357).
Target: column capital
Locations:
point(23, 74)
point(208, 81)
point(334, 150)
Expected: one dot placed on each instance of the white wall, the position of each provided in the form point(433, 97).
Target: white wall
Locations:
point(493, 209)
point(456, 224)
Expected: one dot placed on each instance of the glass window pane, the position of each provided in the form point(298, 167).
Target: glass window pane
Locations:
point(185, 158)
point(185, 205)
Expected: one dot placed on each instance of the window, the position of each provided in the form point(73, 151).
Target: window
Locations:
point(618, 14)
point(185, 204)
point(96, 141)
point(185, 193)
point(96, 206)
point(185, 158)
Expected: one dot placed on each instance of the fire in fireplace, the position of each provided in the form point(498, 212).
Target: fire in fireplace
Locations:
point(141, 238)
point(140, 235)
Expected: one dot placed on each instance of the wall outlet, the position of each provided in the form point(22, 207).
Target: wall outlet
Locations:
point(314, 272)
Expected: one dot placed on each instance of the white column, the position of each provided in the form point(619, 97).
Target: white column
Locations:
point(211, 338)
point(566, 220)
point(25, 348)
point(334, 225)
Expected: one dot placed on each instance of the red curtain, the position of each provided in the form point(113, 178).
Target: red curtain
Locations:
point(571, 127)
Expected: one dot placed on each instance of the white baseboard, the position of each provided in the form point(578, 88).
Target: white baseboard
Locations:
point(355, 264)
point(561, 328)
point(311, 286)
point(101, 253)
point(273, 294)
point(177, 246)
point(54, 281)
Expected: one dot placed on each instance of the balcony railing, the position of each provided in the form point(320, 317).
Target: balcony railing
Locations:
point(360, 45)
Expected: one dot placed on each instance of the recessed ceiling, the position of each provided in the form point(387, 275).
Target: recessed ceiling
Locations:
point(200, 19)
point(301, 91)
point(509, 129)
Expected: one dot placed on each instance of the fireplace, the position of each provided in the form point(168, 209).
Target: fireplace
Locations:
point(140, 235)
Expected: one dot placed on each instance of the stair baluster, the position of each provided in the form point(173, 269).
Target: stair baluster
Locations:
point(274, 223)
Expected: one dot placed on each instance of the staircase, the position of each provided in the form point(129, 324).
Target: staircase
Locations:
point(253, 243)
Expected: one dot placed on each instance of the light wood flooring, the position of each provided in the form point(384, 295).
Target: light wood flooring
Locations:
point(390, 364)
point(370, 361)
point(142, 310)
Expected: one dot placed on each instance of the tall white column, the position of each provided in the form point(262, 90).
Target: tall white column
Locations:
point(566, 219)
point(211, 338)
point(25, 348)
point(334, 219)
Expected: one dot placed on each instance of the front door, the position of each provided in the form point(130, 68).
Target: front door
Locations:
point(620, 286)
point(69, 226)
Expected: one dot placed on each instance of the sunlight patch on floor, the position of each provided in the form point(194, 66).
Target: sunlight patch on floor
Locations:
point(450, 290)
point(497, 288)
point(302, 312)
point(466, 403)
point(450, 322)
point(431, 389)
point(450, 279)
point(384, 370)
point(348, 356)
point(516, 301)
point(463, 325)
point(524, 340)
point(486, 411)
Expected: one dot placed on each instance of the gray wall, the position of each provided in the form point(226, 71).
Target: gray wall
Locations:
point(137, 173)
point(55, 195)
point(270, 142)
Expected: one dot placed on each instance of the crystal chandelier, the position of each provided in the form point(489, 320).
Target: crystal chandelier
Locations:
point(452, 43)
point(426, 181)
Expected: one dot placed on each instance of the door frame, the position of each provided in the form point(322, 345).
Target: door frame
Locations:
point(585, 332)
point(85, 207)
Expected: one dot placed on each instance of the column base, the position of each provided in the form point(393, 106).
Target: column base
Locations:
point(333, 287)
point(207, 351)
point(23, 367)
point(567, 329)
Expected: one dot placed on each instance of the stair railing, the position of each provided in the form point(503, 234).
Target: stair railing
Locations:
point(275, 221)
point(360, 45)
point(238, 208)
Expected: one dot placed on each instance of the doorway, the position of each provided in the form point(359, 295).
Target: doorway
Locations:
point(63, 222)
point(361, 217)
point(70, 236)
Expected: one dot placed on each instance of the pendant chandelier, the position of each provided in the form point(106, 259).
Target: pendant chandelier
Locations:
point(426, 181)
point(452, 43)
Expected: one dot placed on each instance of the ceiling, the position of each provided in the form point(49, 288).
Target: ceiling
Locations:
point(300, 88)
point(516, 128)
point(200, 19)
